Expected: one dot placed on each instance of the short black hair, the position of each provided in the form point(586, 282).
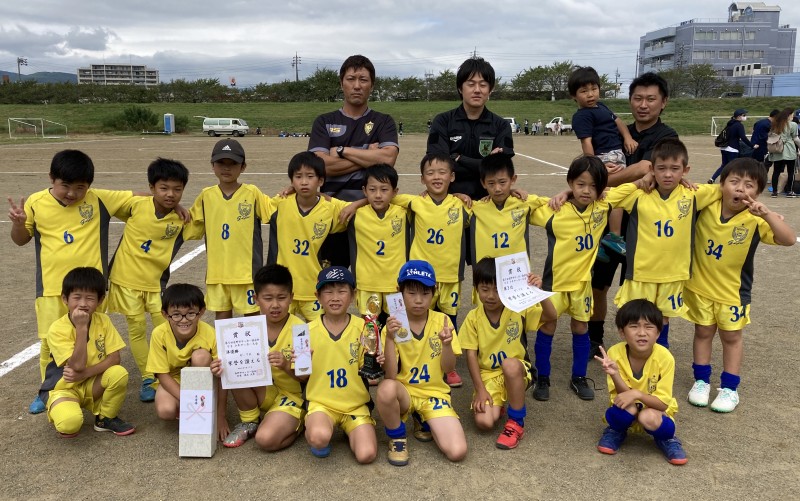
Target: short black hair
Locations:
point(356, 62)
point(273, 274)
point(84, 279)
point(746, 167)
point(670, 147)
point(383, 173)
point(475, 66)
point(582, 75)
point(648, 79)
point(594, 166)
point(429, 158)
point(637, 309)
point(307, 159)
point(165, 169)
point(774, 113)
point(415, 286)
point(494, 164)
point(72, 166)
point(182, 296)
point(484, 272)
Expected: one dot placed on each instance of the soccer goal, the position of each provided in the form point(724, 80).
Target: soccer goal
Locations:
point(20, 128)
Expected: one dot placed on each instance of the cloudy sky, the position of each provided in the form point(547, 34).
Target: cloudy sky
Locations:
point(255, 42)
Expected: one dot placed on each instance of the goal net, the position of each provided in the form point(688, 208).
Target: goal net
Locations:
point(21, 128)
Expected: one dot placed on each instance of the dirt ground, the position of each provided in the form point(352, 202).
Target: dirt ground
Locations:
point(750, 454)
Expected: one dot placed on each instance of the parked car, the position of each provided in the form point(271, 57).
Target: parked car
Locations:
point(233, 126)
point(557, 123)
point(513, 123)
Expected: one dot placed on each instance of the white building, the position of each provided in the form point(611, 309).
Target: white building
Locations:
point(118, 74)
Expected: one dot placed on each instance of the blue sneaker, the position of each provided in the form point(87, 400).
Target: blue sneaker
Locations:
point(614, 242)
point(147, 393)
point(611, 440)
point(673, 450)
point(37, 406)
point(323, 452)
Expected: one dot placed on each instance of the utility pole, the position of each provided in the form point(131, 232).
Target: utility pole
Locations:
point(475, 53)
point(21, 61)
point(428, 77)
point(616, 83)
point(296, 66)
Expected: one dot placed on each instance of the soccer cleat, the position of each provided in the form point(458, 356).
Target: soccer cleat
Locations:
point(791, 194)
point(541, 391)
point(510, 436)
point(611, 440)
point(37, 406)
point(398, 452)
point(698, 395)
point(453, 380)
point(726, 401)
point(240, 434)
point(322, 452)
point(581, 388)
point(147, 393)
point(602, 256)
point(115, 425)
point(422, 431)
point(614, 242)
point(673, 450)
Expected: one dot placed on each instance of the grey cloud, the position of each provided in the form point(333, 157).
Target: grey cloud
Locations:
point(93, 39)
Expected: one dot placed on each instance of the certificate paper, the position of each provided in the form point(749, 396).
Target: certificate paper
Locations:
point(397, 309)
point(512, 283)
point(302, 350)
point(242, 346)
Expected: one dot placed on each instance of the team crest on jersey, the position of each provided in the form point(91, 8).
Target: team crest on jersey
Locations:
point(245, 209)
point(100, 344)
point(170, 231)
point(368, 127)
point(319, 230)
point(86, 211)
point(652, 383)
point(397, 226)
point(597, 217)
point(453, 215)
point(738, 235)
point(485, 147)
point(516, 217)
point(355, 348)
point(335, 130)
point(684, 205)
point(436, 346)
point(512, 331)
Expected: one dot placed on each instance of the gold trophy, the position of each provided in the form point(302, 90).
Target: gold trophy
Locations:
point(370, 339)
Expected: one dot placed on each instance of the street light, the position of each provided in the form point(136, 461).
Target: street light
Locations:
point(21, 61)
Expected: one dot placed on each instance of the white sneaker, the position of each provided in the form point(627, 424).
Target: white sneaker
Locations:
point(699, 394)
point(726, 400)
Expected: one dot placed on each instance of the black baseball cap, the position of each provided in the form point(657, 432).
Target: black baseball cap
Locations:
point(335, 275)
point(228, 148)
point(739, 112)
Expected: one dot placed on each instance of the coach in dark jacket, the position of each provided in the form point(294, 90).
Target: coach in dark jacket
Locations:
point(736, 133)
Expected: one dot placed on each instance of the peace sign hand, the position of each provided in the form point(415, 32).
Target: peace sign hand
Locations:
point(447, 332)
point(755, 207)
point(16, 213)
point(609, 366)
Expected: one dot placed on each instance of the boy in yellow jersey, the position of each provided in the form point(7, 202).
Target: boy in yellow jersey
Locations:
point(69, 225)
point(438, 236)
point(495, 340)
point(640, 375)
point(140, 266)
point(229, 215)
point(182, 341)
point(299, 226)
point(84, 371)
point(378, 236)
point(660, 233)
point(337, 395)
point(718, 295)
point(415, 370)
point(281, 403)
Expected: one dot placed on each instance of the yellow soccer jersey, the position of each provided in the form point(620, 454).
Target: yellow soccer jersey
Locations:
point(295, 239)
point(660, 232)
point(72, 236)
point(378, 247)
point(419, 361)
point(495, 343)
point(724, 252)
point(232, 229)
point(656, 378)
point(437, 234)
point(147, 247)
point(334, 381)
point(168, 357)
point(284, 344)
point(499, 231)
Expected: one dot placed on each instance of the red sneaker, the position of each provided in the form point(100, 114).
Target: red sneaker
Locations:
point(453, 380)
point(511, 435)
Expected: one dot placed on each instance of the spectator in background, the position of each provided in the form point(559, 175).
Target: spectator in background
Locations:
point(527, 127)
point(759, 137)
point(736, 133)
point(786, 158)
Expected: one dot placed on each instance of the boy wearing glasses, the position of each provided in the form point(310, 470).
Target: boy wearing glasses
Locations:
point(183, 341)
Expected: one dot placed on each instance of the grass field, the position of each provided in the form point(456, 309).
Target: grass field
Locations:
point(687, 116)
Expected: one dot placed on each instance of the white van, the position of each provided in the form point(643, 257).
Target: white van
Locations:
point(233, 126)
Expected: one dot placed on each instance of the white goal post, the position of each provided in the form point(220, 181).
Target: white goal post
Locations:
point(718, 123)
point(35, 127)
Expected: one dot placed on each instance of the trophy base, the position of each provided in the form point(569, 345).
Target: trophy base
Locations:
point(371, 368)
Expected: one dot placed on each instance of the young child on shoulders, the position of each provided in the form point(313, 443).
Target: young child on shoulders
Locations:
point(282, 403)
point(415, 369)
point(640, 376)
point(719, 291)
point(84, 371)
point(337, 395)
point(495, 340)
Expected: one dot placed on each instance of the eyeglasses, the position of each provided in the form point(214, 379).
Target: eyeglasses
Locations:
point(177, 317)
